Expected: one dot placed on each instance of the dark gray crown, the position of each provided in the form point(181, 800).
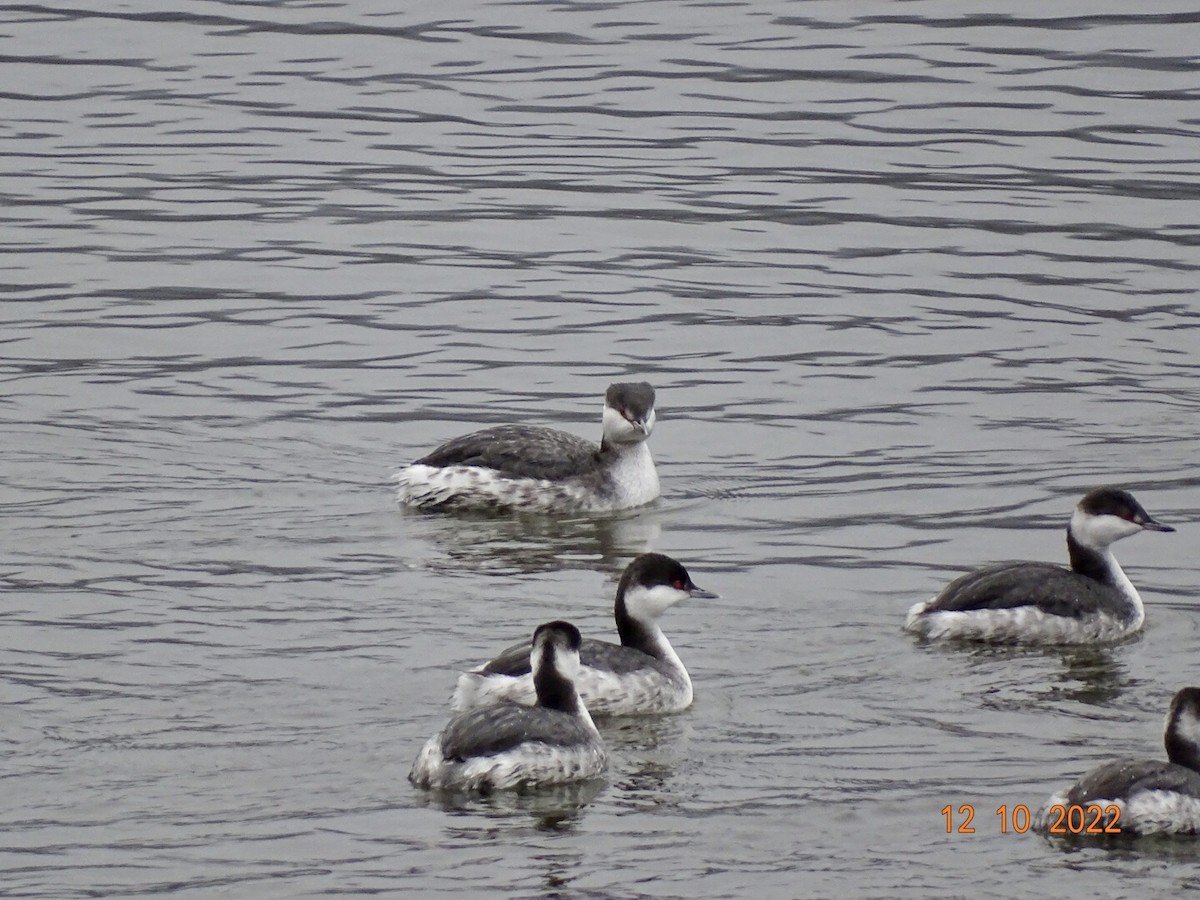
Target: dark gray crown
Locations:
point(1114, 501)
point(559, 632)
point(633, 399)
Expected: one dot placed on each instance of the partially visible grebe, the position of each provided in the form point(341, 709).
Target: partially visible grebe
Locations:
point(1151, 797)
point(642, 674)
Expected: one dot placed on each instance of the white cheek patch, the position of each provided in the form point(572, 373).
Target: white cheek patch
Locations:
point(1098, 532)
point(615, 426)
point(535, 658)
point(1187, 726)
point(647, 604)
point(567, 663)
point(618, 429)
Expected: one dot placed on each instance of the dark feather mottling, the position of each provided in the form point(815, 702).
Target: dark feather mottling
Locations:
point(514, 661)
point(520, 451)
point(494, 729)
point(1126, 777)
point(1052, 589)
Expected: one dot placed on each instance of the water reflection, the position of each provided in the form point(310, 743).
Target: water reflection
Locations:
point(560, 868)
point(1094, 676)
point(551, 807)
point(647, 751)
point(903, 279)
point(1091, 675)
point(1166, 848)
point(529, 543)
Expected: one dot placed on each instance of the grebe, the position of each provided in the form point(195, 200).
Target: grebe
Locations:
point(530, 467)
point(510, 745)
point(1151, 797)
point(642, 674)
point(1036, 602)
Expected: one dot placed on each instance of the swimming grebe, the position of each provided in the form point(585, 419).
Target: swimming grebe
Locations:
point(530, 467)
point(642, 674)
point(1151, 797)
point(1017, 602)
point(510, 745)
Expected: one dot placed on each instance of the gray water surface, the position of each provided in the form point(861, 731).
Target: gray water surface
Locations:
point(908, 278)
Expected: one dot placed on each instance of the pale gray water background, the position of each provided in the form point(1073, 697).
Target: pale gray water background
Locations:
point(909, 278)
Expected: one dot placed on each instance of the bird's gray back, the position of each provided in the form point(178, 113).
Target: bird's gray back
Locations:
point(1125, 777)
point(489, 730)
point(1053, 589)
point(617, 658)
point(611, 657)
point(519, 451)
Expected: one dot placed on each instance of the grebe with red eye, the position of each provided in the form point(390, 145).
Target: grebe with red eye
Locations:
point(1033, 602)
point(533, 468)
point(642, 674)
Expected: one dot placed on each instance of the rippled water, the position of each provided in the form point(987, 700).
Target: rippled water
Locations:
point(908, 279)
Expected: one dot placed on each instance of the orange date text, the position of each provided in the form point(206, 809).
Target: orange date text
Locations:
point(1091, 818)
point(961, 820)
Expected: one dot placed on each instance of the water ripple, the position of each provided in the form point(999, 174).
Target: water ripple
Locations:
point(907, 283)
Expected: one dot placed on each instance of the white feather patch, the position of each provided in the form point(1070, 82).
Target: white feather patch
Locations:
point(1022, 624)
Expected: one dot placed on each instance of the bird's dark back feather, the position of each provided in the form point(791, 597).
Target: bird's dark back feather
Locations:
point(489, 730)
point(519, 451)
point(1052, 589)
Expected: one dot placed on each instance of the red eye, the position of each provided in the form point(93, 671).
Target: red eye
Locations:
point(677, 584)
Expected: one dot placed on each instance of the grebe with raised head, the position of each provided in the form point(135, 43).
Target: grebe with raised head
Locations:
point(531, 467)
point(1034, 602)
point(642, 674)
point(1150, 796)
point(513, 746)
